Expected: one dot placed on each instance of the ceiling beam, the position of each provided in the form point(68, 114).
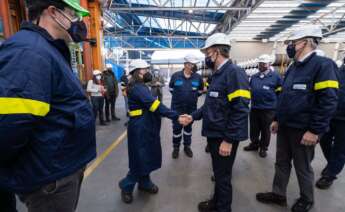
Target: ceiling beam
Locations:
point(152, 8)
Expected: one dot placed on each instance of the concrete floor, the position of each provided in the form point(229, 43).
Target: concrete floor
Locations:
point(184, 182)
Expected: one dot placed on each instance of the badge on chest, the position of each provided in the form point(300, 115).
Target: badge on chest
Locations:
point(299, 87)
point(214, 94)
point(265, 87)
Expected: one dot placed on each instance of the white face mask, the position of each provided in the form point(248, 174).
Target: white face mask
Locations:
point(98, 77)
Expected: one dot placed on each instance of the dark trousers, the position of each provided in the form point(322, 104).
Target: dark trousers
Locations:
point(7, 201)
point(128, 183)
point(98, 106)
point(177, 134)
point(333, 147)
point(289, 148)
point(260, 122)
point(222, 169)
point(62, 195)
point(110, 106)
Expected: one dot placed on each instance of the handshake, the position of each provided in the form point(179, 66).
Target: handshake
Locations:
point(185, 119)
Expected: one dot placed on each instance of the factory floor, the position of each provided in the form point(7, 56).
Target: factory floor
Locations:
point(184, 182)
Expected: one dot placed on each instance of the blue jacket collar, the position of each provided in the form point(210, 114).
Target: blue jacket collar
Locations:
point(59, 44)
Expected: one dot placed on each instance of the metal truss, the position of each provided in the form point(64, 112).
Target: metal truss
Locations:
point(233, 17)
point(169, 23)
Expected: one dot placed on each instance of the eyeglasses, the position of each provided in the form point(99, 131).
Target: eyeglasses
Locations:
point(71, 17)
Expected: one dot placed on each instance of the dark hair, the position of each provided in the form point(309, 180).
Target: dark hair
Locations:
point(36, 7)
point(224, 50)
point(134, 79)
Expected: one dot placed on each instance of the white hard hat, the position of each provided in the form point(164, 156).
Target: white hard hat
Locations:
point(216, 39)
point(137, 63)
point(191, 59)
point(265, 58)
point(314, 31)
point(108, 66)
point(97, 72)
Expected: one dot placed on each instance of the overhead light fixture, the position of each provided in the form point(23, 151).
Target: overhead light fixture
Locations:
point(190, 11)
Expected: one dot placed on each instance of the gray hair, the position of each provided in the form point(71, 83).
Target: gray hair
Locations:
point(314, 42)
point(224, 50)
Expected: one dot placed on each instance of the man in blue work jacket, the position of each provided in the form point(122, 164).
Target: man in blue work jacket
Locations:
point(185, 86)
point(47, 128)
point(225, 118)
point(264, 86)
point(333, 142)
point(305, 107)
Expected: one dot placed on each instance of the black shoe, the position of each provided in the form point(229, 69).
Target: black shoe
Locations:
point(271, 198)
point(107, 120)
point(153, 190)
point(262, 153)
point(103, 123)
point(188, 151)
point(127, 197)
point(175, 153)
point(213, 179)
point(302, 206)
point(114, 118)
point(324, 182)
point(251, 147)
point(207, 149)
point(207, 206)
point(324, 171)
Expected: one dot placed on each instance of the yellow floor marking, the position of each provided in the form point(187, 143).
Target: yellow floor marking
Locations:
point(104, 155)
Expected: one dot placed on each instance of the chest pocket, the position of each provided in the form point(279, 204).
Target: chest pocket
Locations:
point(195, 85)
point(178, 83)
point(216, 108)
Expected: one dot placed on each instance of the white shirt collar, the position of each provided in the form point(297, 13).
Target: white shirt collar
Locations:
point(221, 65)
point(306, 56)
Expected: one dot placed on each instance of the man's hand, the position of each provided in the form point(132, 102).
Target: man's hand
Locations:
point(185, 119)
point(309, 139)
point(274, 127)
point(225, 149)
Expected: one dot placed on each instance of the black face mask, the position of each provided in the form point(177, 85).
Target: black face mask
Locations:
point(147, 77)
point(78, 31)
point(209, 63)
point(291, 51)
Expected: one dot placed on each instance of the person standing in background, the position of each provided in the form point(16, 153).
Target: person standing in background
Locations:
point(265, 87)
point(185, 86)
point(97, 93)
point(112, 87)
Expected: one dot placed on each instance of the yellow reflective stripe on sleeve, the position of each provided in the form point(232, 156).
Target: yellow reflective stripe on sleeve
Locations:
point(279, 89)
point(239, 93)
point(23, 106)
point(135, 113)
point(326, 84)
point(155, 105)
